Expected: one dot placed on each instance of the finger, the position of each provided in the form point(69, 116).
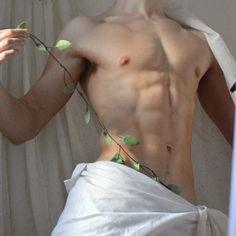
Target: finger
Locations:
point(17, 46)
point(11, 43)
point(14, 33)
point(7, 54)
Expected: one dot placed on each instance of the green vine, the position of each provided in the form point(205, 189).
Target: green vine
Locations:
point(70, 88)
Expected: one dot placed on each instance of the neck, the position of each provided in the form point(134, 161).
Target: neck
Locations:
point(144, 7)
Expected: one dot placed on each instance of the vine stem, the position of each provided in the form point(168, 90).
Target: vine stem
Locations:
point(35, 39)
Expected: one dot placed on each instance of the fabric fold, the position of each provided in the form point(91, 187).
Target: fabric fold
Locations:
point(107, 198)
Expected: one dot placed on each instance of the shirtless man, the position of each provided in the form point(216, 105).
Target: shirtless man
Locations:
point(142, 73)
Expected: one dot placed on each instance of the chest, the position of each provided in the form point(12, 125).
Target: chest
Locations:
point(145, 44)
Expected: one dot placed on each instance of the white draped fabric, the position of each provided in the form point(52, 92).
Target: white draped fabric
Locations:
point(122, 201)
point(32, 193)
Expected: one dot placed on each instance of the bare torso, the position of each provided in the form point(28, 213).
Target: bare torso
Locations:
point(142, 80)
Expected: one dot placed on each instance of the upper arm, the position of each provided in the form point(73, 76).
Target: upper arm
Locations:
point(47, 97)
point(215, 99)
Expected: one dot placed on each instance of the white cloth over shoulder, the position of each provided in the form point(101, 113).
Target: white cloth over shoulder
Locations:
point(177, 11)
point(107, 199)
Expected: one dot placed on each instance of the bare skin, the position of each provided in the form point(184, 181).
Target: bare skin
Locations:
point(11, 40)
point(149, 88)
point(141, 73)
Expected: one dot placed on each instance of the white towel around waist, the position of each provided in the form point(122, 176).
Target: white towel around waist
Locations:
point(107, 198)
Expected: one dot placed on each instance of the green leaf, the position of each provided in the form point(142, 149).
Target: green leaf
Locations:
point(174, 188)
point(157, 179)
point(136, 166)
point(69, 88)
point(87, 117)
point(130, 140)
point(118, 159)
point(107, 138)
point(41, 47)
point(22, 25)
point(63, 44)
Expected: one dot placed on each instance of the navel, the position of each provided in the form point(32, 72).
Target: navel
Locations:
point(124, 61)
point(169, 148)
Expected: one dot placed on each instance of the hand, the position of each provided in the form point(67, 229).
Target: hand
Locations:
point(11, 40)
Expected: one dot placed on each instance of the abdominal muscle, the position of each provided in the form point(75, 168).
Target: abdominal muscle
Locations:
point(157, 109)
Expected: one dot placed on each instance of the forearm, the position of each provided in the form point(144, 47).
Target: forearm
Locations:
point(226, 125)
point(224, 120)
point(16, 120)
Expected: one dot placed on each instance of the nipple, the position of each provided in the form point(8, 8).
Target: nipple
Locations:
point(124, 61)
point(169, 148)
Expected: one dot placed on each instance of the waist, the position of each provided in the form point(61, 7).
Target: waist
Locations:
point(146, 146)
point(172, 164)
point(167, 160)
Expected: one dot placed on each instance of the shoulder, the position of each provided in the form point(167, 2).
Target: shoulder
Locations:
point(210, 61)
point(80, 25)
point(76, 29)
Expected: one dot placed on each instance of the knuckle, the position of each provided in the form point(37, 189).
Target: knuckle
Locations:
point(7, 53)
point(6, 42)
point(9, 31)
point(4, 54)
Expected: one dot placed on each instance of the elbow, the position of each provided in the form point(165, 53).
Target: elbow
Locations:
point(21, 139)
point(27, 126)
point(16, 142)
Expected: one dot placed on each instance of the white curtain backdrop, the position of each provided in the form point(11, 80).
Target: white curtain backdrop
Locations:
point(32, 194)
